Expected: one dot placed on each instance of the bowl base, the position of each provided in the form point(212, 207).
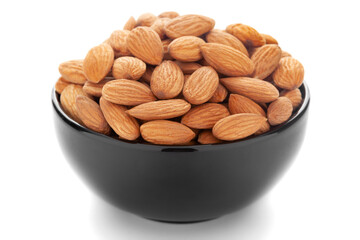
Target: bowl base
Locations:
point(181, 222)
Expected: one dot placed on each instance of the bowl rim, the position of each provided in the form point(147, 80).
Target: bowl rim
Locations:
point(200, 147)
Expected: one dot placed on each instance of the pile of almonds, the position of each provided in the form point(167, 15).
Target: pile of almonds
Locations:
point(175, 80)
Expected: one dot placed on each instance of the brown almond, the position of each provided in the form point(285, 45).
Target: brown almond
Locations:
point(269, 39)
point(127, 92)
point(60, 85)
point(122, 123)
point(201, 85)
point(166, 132)
point(265, 127)
point(279, 111)
point(163, 109)
point(128, 68)
point(294, 96)
point(98, 62)
point(227, 60)
point(265, 59)
point(159, 27)
point(206, 137)
point(186, 49)
point(285, 54)
point(169, 14)
point(148, 73)
point(289, 74)
point(72, 71)
point(188, 67)
point(219, 95)
point(241, 104)
point(255, 89)
point(204, 116)
point(117, 41)
point(238, 126)
point(166, 43)
point(146, 19)
point(145, 43)
point(221, 37)
point(188, 25)
point(130, 24)
point(246, 34)
point(167, 80)
point(95, 89)
point(68, 100)
point(91, 115)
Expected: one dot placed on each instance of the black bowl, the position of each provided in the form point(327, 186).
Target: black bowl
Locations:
point(181, 183)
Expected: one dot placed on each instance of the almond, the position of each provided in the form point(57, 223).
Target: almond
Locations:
point(91, 115)
point(188, 67)
point(166, 132)
point(166, 43)
point(265, 59)
point(289, 74)
point(127, 92)
point(128, 68)
point(72, 71)
point(146, 19)
point(269, 39)
point(145, 43)
point(68, 100)
point(279, 111)
point(255, 89)
point(206, 137)
point(159, 26)
point(167, 80)
point(265, 127)
point(294, 96)
point(168, 15)
point(163, 109)
point(98, 62)
point(186, 49)
point(204, 116)
point(238, 126)
point(227, 60)
point(241, 104)
point(60, 85)
point(188, 25)
point(130, 24)
point(219, 95)
point(221, 37)
point(201, 85)
point(148, 73)
point(246, 34)
point(117, 41)
point(123, 124)
point(95, 89)
point(285, 54)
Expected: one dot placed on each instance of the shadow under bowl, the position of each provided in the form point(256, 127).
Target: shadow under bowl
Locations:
point(181, 183)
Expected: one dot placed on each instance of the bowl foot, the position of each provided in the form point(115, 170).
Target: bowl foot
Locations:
point(180, 222)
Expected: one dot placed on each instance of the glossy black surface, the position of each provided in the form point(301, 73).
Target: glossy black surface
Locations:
point(180, 183)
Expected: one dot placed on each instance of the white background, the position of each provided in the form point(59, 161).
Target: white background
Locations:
point(41, 196)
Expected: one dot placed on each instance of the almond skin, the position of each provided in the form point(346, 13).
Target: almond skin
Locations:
point(148, 73)
point(145, 44)
point(117, 41)
point(285, 54)
point(60, 85)
point(127, 92)
point(166, 132)
point(266, 59)
point(98, 62)
point(91, 115)
point(227, 60)
point(289, 74)
point(241, 104)
point(186, 49)
point(269, 39)
point(265, 127)
point(255, 89)
point(246, 34)
point(166, 43)
point(204, 116)
point(130, 24)
point(68, 100)
point(146, 19)
point(201, 85)
point(95, 89)
point(238, 126)
point(221, 37)
point(188, 25)
point(163, 109)
point(206, 137)
point(188, 67)
point(279, 111)
point(219, 95)
point(122, 123)
point(169, 14)
point(128, 68)
point(72, 71)
point(167, 80)
point(159, 27)
point(294, 96)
